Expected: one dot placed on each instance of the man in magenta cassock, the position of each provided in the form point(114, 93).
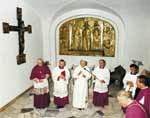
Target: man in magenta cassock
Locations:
point(133, 108)
point(40, 74)
point(144, 94)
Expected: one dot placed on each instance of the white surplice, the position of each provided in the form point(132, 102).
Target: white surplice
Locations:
point(60, 85)
point(41, 84)
point(101, 74)
point(132, 78)
point(80, 92)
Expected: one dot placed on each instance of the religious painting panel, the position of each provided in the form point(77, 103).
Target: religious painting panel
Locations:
point(87, 36)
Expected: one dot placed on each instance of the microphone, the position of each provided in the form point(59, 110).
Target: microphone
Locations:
point(89, 72)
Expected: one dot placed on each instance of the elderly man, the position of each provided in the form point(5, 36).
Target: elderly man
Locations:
point(40, 73)
point(133, 108)
point(60, 77)
point(80, 93)
point(102, 78)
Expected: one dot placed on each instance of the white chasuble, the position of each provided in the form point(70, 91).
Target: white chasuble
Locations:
point(80, 91)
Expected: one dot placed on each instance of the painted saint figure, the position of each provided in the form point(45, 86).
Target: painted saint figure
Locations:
point(77, 42)
point(96, 44)
point(86, 37)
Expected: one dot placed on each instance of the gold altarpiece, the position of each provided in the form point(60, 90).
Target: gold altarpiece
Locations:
point(87, 36)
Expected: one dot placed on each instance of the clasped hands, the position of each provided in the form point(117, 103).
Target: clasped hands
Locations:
point(101, 81)
point(62, 77)
point(83, 75)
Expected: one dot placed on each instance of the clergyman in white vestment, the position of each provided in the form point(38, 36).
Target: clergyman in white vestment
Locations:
point(130, 79)
point(80, 92)
point(100, 96)
point(60, 77)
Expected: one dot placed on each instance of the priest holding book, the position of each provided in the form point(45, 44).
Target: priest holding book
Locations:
point(60, 77)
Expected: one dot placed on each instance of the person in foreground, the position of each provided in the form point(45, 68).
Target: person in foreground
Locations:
point(133, 108)
point(40, 74)
point(143, 97)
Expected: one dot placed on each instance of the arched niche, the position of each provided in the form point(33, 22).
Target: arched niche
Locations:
point(87, 36)
point(106, 16)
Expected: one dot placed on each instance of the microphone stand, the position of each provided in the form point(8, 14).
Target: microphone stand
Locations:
point(90, 72)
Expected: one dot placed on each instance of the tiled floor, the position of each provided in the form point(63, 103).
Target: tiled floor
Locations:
point(111, 111)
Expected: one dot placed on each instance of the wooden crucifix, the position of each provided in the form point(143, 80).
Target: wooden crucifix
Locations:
point(21, 29)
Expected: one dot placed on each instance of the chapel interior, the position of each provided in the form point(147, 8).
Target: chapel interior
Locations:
point(117, 31)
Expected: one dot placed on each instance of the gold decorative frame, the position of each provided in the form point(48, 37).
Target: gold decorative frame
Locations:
point(87, 36)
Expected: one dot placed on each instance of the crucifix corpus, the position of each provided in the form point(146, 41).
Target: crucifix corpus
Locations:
point(21, 29)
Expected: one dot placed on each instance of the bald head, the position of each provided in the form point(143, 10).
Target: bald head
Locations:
point(124, 97)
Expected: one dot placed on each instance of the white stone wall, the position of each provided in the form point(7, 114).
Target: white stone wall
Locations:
point(14, 79)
